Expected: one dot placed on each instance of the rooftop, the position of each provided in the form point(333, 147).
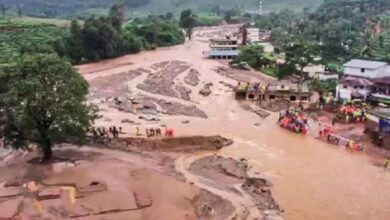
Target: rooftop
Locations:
point(222, 52)
point(223, 40)
point(352, 81)
point(289, 86)
point(367, 64)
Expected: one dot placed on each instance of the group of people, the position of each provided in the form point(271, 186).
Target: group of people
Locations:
point(155, 132)
point(353, 113)
point(324, 130)
point(293, 120)
point(112, 131)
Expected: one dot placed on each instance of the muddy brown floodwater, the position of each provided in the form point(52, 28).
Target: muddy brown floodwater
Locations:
point(311, 179)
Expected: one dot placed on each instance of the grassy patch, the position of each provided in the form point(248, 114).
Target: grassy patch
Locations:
point(270, 71)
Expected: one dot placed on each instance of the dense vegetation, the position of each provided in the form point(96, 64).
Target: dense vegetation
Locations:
point(94, 39)
point(155, 31)
point(18, 36)
point(341, 29)
point(43, 102)
point(85, 8)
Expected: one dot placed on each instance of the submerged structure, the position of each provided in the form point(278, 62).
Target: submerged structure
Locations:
point(223, 49)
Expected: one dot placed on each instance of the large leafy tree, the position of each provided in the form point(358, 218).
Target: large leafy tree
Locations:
point(299, 55)
point(43, 101)
point(188, 21)
point(74, 42)
point(252, 55)
point(117, 15)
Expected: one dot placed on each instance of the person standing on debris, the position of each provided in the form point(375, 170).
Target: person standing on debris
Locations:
point(158, 132)
point(334, 121)
point(115, 132)
point(386, 163)
point(152, 132)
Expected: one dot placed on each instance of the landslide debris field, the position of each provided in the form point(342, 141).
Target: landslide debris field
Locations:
point(168, 80)
point(130, 178)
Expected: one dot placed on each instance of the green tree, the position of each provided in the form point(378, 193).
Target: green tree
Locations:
point(19, 10)
point(44, 102)
point(300, 55)
point(188, 21)
point(253, 56)
point(117, 15)
point(3, 9)
point(75, 43)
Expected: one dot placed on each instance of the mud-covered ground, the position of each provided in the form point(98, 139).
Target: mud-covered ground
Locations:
point(227, 160)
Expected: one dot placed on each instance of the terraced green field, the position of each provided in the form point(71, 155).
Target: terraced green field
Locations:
point(18, 35)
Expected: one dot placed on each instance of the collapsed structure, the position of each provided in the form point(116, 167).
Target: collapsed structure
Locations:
point(281, 90)
point(223, 49)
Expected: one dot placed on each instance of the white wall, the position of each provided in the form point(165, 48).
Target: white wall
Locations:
point(368, 73)
point(345, 93)
point(325, 77)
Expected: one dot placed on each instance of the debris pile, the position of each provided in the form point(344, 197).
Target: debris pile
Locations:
point(206, 90)
point(192, 78)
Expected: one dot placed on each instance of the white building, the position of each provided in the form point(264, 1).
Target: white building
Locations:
point(365, 69)
point(358, 75)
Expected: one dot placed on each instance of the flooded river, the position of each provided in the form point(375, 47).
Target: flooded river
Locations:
point(312, 180)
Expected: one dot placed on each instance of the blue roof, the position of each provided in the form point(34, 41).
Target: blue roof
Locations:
point(222, 53)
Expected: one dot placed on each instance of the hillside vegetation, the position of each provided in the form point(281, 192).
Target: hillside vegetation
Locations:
point(85, 8)
point(94, 39)
point(341, 30)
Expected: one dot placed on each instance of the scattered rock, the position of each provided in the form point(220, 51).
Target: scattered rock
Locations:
point(210, 206)
point(257, 188)
point(162, 81)
point(192, 78)
point(185, 122)
point(184, 92)
point(272, 215)
point(149, 118)
point(206, 90)
point(127, 121)
point(107, 119)
point(241, 66)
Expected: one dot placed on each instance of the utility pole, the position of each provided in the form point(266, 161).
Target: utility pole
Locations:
point(260, 7)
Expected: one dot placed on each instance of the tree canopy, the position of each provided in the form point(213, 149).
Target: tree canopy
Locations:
point(43, 102)
point(188, 21)
point(342, 29)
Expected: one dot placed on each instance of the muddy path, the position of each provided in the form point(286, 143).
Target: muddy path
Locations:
point(243, 204)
